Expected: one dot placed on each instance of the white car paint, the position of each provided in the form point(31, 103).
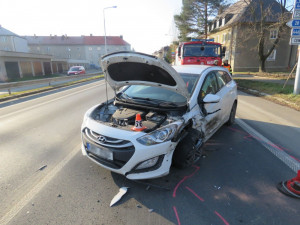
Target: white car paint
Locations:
point(207, 124)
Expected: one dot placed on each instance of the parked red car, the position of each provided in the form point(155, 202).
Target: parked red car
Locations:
point(75, 70)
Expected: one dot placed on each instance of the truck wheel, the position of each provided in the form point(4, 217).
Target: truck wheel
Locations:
point(232, 114)
point(189, 150)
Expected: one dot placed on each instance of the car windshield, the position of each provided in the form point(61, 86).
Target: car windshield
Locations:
point(74, 69)
point(199, 50)
point(158, 95)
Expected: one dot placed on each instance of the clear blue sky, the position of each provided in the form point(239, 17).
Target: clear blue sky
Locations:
point(145, 24)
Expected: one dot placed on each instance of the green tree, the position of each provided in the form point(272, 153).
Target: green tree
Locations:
point(194, 16)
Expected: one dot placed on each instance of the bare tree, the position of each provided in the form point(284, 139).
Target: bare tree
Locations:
point(263, 17)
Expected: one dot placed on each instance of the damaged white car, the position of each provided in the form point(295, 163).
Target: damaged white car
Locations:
point(160, 115)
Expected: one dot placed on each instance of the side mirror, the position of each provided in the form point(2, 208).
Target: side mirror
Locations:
point(210, 98)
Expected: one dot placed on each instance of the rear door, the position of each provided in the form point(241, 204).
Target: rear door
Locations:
point(226, 92)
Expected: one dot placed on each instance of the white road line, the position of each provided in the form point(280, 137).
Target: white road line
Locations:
point(283, 156)
point(44, 103)
point(37, 188)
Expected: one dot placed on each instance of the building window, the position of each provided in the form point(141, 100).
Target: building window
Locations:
point(272, 56)
point(223, 21)
point(90, 48)
point(217, 39)
point(4, 39)
point(69, 56)
point(273, 34)
point(224, 38)
point(98, 48)
point(48, 49)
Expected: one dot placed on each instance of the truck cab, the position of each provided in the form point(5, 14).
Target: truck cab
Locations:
point(200, 52)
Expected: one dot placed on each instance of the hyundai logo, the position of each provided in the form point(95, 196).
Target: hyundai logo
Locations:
point(102, 139)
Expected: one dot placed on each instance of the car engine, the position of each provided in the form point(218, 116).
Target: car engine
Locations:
point(123, 117)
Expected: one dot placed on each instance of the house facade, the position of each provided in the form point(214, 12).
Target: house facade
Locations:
point(234, 30)
point(77, 50)
point(42, 55)
point(15, 59)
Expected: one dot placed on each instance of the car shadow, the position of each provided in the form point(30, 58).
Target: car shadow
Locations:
point(233, 183)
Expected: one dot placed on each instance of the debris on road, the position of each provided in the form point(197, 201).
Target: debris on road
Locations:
point(59, 196)
point(216, 187)
point(151, 185)
point(122, 191)
point(42, 168)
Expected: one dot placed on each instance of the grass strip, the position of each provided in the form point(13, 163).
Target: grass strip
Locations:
point(37, 90)
point(275, 91)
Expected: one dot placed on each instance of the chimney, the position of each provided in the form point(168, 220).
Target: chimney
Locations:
point(91, 35)
point(121, 36)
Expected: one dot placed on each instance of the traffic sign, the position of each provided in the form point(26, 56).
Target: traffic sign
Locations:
point(296, 14)
point(293, 23)
point(295, 32)
point(297, 5)
point(295, 41)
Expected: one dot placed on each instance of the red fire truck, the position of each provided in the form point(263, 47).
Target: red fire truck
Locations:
point(199, 52)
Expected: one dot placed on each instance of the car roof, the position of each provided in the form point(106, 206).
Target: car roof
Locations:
point(194, 69)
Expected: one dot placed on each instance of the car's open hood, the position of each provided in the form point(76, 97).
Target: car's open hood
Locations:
point(132, 68)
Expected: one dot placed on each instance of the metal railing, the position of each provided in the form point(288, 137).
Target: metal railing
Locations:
point(10, 85)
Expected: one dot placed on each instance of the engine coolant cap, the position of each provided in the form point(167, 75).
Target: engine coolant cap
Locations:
point(138, 124)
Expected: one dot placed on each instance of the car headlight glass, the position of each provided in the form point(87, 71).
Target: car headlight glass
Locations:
point(159, 136)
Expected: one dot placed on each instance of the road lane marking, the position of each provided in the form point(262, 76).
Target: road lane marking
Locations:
point(38, 187)
point(283, 156)
point(44, 103)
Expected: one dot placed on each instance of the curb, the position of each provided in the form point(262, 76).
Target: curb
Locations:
point(44, 90)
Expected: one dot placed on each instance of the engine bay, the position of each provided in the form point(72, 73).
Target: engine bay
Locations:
point(123, 117)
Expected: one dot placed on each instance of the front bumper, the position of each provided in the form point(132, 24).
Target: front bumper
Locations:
point(128, 154)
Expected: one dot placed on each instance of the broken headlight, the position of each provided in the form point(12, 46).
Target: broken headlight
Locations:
point(158, 136)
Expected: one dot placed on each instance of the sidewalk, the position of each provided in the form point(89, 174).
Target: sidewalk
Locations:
point(264, 79)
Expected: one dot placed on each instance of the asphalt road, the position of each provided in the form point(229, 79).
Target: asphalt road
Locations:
point(44, 179)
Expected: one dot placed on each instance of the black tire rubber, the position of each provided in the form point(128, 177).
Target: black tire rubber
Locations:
point(189, 150)
point(232, 114)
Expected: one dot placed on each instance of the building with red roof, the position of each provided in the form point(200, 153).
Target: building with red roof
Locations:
point(77, 50)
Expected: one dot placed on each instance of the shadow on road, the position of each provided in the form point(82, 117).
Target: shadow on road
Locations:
point(234, 183)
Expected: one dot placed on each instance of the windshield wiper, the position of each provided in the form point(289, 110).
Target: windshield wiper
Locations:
point(169, 104)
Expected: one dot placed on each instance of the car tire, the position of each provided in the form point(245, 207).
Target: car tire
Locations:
point(189, 150)
point(232, 114)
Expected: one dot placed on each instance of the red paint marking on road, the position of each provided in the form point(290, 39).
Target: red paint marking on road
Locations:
point(295, 158)
point(248, 137)
point(237, 130)
point(275, 146)
point(194, 193)
point(221, 217)
point(176, 214)
point(186, 177)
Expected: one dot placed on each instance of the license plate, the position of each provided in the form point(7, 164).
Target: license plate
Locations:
point(101, 152)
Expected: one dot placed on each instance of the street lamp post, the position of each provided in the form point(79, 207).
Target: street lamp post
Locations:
point(104, 26)
point(106, 50)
